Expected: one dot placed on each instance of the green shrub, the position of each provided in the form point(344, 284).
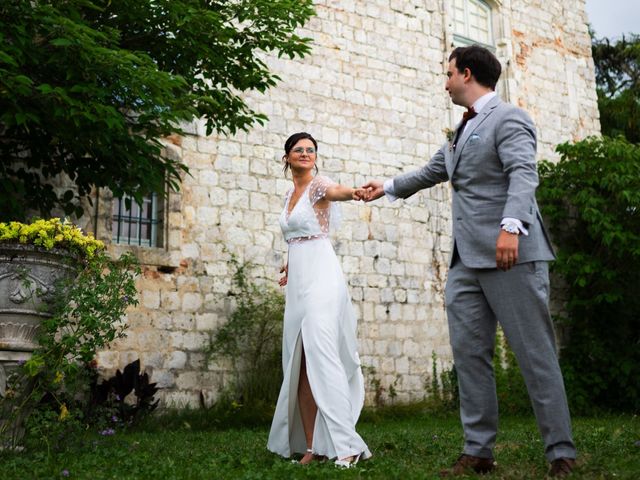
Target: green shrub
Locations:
point(251, 340)
point(50, 392)
point(591, 201)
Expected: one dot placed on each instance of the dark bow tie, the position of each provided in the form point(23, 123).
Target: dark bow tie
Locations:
point(466, 116)
point(469, 114)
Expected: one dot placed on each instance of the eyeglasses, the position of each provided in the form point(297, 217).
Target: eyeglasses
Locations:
point(300, 150)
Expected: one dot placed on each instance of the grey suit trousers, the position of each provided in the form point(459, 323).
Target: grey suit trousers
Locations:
point(476, 300)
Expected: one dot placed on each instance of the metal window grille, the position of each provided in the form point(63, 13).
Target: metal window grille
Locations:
point(138, 224)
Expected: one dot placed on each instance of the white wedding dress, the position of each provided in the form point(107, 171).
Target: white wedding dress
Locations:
point(319, 315)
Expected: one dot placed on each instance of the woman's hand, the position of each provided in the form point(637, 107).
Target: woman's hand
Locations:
point(283, 281)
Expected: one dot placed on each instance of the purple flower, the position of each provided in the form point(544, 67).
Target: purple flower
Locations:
point(118, 397)
point(65, 473)
point(125, 299)
point(108, 431)
point(21, 362)
point(114, 418)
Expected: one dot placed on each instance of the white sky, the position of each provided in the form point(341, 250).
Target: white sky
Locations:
point(612, 18)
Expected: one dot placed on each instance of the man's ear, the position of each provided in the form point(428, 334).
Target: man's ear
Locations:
point(467, 75)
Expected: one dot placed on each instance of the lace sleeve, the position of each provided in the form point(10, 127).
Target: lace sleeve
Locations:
point(318, 188)
point(331, 217)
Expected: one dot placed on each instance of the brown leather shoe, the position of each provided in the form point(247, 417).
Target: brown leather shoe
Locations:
point(561, 467)
point(467, 464)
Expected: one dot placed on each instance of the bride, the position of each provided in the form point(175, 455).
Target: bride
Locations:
point(323, 389)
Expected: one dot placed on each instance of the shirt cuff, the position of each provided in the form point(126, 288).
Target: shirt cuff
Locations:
point(518, 223)
point(389, 191)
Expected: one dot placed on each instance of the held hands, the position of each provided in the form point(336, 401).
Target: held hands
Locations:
point(374, 189)
point(368, 192)
point(506, 250)
point(360, 194)
point(283, 281)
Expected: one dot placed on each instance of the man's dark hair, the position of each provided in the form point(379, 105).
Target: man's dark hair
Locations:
point(483, 64)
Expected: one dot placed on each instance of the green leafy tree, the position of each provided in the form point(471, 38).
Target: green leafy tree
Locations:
point(591, 200)
point(618, 85)
point(88, 87)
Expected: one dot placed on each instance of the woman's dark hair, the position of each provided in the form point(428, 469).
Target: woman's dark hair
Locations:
point(483, 64)
point(291, 141)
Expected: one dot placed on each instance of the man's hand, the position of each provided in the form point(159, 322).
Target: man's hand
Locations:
point(283, 281)
point(506, 250)
point(375, 190)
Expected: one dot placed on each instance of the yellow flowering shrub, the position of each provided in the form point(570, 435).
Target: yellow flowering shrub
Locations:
point(49, 234)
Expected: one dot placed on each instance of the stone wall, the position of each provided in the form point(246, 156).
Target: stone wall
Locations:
point(372, 93)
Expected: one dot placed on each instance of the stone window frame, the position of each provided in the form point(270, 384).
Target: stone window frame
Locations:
point(500, 25)
point(463, 39)
point(153, 222)
point(166, 258)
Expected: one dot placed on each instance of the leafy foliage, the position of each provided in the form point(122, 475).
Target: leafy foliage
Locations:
point(49, 234)
point(252, 339)
point(112, 393)
point(591, 199)
point(88, 315)
point(88, 87)
point(618, 85)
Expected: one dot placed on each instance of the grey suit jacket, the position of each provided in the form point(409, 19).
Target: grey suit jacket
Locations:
point(493, 175)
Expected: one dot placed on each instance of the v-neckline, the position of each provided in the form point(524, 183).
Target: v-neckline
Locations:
point(291, 210)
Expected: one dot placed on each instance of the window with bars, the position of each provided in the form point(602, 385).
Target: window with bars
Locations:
point(138, 224)
point(472, 23)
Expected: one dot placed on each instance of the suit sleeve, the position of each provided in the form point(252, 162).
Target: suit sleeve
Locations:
point(431, 174)
point(516, 145)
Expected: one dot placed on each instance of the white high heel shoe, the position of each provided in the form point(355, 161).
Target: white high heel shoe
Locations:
point(348, 463)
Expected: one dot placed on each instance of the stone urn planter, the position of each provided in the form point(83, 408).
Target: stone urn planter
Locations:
point(36, 261)
point(29, 276)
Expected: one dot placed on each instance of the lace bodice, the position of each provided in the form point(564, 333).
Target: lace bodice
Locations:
point(306, 221)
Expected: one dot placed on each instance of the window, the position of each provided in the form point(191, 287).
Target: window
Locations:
point(140, 224)
point(472, 23)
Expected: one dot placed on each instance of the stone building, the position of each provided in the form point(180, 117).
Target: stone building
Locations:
point(372, 93)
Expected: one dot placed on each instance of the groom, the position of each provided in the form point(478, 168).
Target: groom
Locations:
point(498, 271)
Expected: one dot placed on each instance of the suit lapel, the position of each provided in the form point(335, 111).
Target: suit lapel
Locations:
point(482, 116)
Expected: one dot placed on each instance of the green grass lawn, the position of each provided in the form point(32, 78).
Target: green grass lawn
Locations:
point(409, 447)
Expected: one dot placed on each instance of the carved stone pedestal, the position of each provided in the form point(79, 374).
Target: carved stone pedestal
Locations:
point(28, 280)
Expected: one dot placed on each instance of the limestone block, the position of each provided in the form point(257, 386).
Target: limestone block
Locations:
point(161, 320)
point(150, 340)
point(163, 378)
point(151, 360)
point(196, 360)
point(181, 399)
point(395, 312)
point(380, 347)
point(402, 365)
point(176, 360)
point(191, 302)
point(206, 321)
point(169, 300)
point(183, 321)
point(108, 360)
point(150, 299)
point(207, 215)
point(195, 341)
